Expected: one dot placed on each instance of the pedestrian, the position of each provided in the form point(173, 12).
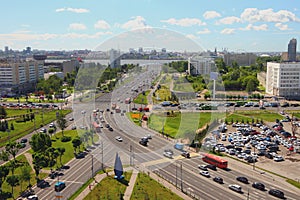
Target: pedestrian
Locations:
point(90, 187)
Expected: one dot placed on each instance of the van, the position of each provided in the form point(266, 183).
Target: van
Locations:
point(59, 186)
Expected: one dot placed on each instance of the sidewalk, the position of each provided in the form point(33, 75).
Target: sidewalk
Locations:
point(131, 184)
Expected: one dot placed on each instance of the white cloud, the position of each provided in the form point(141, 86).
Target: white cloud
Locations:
point(204, 31)
point(227, 31)
point(75, 10)
point(77, 26)
point(184, 22)
point(101, 24)
point(191, 36)
point(211, 14)
point(268, 15)
point(282, 27)
point(49, 36)
point(262, 27)
point(229, 20)
point(136, 23)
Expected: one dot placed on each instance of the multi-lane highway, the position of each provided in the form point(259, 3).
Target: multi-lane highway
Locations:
point(179, 170)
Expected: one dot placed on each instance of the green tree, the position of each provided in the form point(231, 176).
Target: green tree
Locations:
point(3, 112)
point(4, 171)
point(39, 161)
point(13, 148)
point(25, 175)
point(62, 123)
point(40, 142)
point(61, 151)
point(76, 143)
point(13, 181)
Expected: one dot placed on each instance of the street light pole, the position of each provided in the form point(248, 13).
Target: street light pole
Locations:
point(92, 168)
point(181, 184)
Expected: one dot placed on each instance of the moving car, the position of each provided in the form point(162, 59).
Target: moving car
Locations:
point(168, 153)
point(119, 138)
point(242, 179)
point(258, 185)
point(59, 186)
point(278, 158)
point(202, 167)
point(213, 167)
point(276, 193)
point(186, 154)
point(218, 179)
point(33, 197)
point(205, 173)
point(43, 184)
point(235, 188)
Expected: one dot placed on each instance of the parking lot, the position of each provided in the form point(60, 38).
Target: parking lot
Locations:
point(260, 146)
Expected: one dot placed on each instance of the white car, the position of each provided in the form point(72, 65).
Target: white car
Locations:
point(168, 154)
point(278, 158)
point(205, 173)
point(235, 187)
point(119, 138)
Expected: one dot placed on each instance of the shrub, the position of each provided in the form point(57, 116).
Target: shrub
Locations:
point(66, 139)
point(51, 130)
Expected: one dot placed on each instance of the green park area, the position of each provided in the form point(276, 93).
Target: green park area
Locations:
point(20, 175)
point(163, 94)
point(110, 188)
point(180, 125)
point(142, 98)
point(147, 188)
point(25, 122)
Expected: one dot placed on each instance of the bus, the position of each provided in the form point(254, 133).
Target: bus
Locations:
point(128, 100)
point(215, 160)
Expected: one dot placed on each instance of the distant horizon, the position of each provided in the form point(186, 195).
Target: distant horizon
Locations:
point(250, 26)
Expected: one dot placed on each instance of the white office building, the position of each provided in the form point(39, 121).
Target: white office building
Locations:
point(283, 79)
point(200, 65)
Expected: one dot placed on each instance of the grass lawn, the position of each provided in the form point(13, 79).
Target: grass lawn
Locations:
point(147, 188)
point(163, 94)
point(109, 188)
point(22, 161)
point(56, 142)
point(261, 115)
point(17, 112)
point(142, 99)
point(23, 128)
point(179, 124)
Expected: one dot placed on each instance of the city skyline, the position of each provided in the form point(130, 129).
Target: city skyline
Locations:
point(67, 25)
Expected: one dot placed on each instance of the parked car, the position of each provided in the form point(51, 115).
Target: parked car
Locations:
point(218, 179)
point(235, 188)
point(276, 193)
point(258, 185)
point(278, 158)
point(205, 173)
point(242, 179)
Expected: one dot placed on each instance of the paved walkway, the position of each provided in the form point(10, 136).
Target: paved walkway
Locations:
point(29, 159)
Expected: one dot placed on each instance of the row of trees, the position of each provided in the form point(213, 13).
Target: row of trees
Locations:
point(11, 150)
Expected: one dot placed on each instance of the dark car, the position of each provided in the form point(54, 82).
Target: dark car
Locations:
point(258, 185)
point(276, 193)
point(218, 179)
point(212, 167)
point(242, 179)
point(24, 140)
point(111, 129)
point(80, 155)
point(43, 184)
point(186, 154)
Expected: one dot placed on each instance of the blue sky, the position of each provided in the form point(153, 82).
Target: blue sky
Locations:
point(238, 25)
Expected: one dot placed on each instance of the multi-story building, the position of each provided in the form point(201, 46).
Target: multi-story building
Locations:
point(115, 59)
point(200, 65)
point(292, 50)
point(283, 79)
point(20, 77)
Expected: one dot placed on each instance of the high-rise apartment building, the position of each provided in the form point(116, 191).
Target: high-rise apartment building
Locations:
point(292, 50)
point(20, 77)
point(115, 59)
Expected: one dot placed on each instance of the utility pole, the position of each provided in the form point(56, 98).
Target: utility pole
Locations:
point(176, 175)
point(92, 168)
point(102, 165)
point(181, 185)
